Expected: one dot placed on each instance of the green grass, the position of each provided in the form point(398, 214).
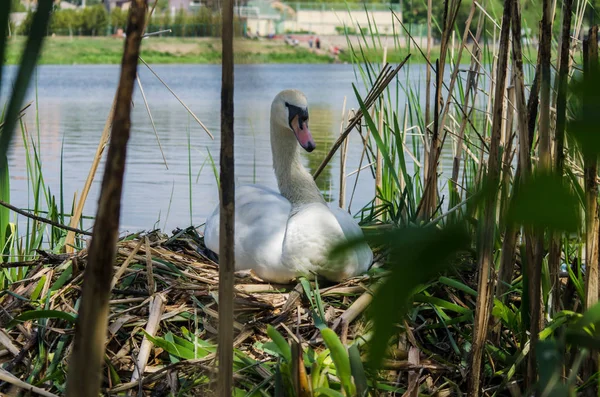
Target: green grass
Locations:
point(173, 50)
point(108, 50)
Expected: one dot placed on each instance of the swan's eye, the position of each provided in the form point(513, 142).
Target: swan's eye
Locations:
point(294, 111)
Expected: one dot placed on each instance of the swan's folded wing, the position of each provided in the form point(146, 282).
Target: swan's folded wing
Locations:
point(353, 231)
point(260, 219)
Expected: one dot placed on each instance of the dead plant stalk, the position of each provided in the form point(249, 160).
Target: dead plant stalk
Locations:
point(485, 261)
point(84, 375)
point(227, 217)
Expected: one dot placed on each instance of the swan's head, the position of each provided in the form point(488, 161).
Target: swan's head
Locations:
point(289, 111)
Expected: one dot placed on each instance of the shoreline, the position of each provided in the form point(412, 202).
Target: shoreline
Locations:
point(77, 50)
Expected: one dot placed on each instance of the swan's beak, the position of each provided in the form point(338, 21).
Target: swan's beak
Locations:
point(303, 134)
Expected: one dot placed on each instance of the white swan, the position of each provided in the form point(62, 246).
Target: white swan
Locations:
point(282, 236)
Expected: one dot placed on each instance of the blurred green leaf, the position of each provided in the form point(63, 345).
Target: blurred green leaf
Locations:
point(41, 314)
point(325, 391)
point(417, 256)
point(280, 341)
point(545, 201)
point(358, 371)
point(548, 356)
point(340, 358)
point(585, 103)
point(590, 317)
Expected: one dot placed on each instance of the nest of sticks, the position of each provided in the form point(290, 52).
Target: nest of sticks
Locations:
point(165, 290)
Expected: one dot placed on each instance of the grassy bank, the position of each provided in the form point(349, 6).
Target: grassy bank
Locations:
point(108, 50)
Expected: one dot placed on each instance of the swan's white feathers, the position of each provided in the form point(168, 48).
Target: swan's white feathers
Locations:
point(260, 218)
point(282, 236)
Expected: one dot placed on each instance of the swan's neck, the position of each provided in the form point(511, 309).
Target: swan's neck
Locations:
point(295, 182)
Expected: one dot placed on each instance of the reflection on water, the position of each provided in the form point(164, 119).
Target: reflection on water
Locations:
point(74, 102)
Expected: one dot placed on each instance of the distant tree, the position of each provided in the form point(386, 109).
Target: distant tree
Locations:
point(65, 21)
point(94, 20)
point(118, 18)
point(162, 5)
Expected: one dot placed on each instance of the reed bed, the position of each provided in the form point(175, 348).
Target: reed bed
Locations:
point(486, 277)
point(164, 291)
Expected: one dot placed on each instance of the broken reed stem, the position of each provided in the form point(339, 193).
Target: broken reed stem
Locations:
point(430, 193)
point(591, 68)
point(125, 264)
point(380, 84)
point(178, 99)
point(360, 163)
point(149, 270)
point(554, 255)
point(463, 124)
point(139, 83)
point(70, 239)
point(379, 158)
point(86, 360)
point(485, 257)
point(227, 217)
point(428, 87)
point(9, 378)
point(157, 309)
point(341, 201)
point(44, 220)
point(535, 268)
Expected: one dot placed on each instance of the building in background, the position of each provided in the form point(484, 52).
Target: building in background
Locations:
point(273, 17)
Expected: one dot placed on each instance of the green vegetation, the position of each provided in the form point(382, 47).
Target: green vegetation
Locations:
point(107, 50)
point(94, 20)
point(486, 274)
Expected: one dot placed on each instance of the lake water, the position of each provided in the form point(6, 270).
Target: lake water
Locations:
point(74, 102)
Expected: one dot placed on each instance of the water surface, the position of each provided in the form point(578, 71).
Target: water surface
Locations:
point(74, 101)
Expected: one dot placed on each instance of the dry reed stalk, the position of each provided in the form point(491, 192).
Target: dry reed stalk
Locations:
point(9, 378)
point(125, 264)
point(413, 376)
point(485, 257)
point(360, 162)
point(523, 168)
point(507, 143)
point(454, 75)
point(535, 267)
point(157, 309)
point(227, 210)
point(430, 193)
point(472, 84)
point(428, 86)
point(359, 306)
point(178, 99)
point(90, 332)
point(554, 255)
point(70, 238)
point(385, 77)
point(591, 69)
point(299, 376)
point(341, 201)
point(379, 158)
point(43, 220)
point(149, 271)
point(139, 83)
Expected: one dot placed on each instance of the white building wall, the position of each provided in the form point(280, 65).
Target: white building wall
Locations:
point(325, 22)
